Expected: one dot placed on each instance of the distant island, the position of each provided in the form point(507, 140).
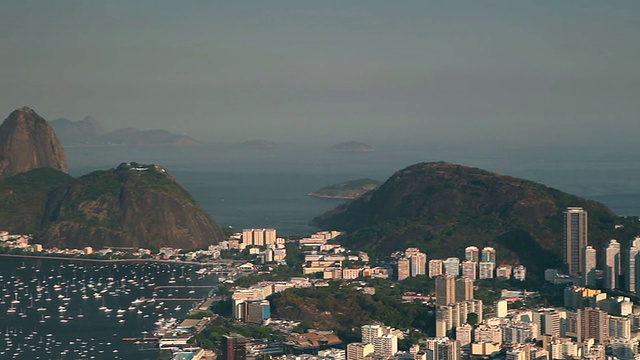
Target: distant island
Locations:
point(347, 190)
point(352, 146)
point(89, 132)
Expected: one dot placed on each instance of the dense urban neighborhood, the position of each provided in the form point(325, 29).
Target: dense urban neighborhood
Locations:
point(312, 298)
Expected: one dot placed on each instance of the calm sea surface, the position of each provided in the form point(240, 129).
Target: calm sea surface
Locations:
point(243, 187)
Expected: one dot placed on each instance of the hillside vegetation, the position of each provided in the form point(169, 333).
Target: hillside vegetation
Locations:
point(132, 205)
point(442, 208)
point(23, 198)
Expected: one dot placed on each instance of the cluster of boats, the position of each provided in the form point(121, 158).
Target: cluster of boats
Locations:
point(84, 310)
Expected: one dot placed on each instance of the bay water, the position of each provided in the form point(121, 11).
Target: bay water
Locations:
point(244, 188)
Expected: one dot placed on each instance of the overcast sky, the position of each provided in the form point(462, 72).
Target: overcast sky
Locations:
point(453, 71)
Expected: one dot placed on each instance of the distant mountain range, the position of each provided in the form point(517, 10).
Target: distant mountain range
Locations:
point(89, 132)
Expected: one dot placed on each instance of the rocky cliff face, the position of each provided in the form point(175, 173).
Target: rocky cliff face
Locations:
point(131, 206)
point(28, 142)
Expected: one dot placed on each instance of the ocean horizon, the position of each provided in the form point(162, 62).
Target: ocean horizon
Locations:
point(254, 188)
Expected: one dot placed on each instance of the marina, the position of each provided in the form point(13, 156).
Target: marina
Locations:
point(69, 310)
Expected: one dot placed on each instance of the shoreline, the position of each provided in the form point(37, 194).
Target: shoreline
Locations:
point(104, 260)
point(336, 197)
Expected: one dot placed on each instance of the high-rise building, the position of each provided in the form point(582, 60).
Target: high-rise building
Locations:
point(257, 311)
point(258, 237)
point(501, 308)
point(452, 266)
point(247, 238)
point(453, 315)
point(386, 345)
point(435, 268)
point(418, 263)
point(503, 272)
point(486, 269)
point(449, 350)
point(611, 264)
point(358, 351)
point(464, 289)
point(593, 323)
point(488, 254)
point(404, 268)
point(520, 272)
point(518, 352)
point(469, 269)
point(487, 333)
point(589, 267)
point(443, 348)
point(370, 332)
point(270, 236)
point(625, 348)
point(471, 253)
point(620, 327)
point(234, 347)
point(463, 334)
point(445, 289)
point(575, 238)
point(548, 321)
point(519, 332)
point(633, 266)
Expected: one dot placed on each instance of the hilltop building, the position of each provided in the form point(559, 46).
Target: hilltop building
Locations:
point(452, 266)
point(471, 253)
point(488, 254)
point(435, 268)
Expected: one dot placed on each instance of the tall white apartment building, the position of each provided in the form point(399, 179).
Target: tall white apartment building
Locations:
point(633, 267)
point(611, 264)
point(435, 268)
point(386, 345)
point(452, 266)
point(488, 254)
point(469, 269)
point(370, 332)
point(471, 253)
point(589, 267)
point(486, 269)
point(270, 236)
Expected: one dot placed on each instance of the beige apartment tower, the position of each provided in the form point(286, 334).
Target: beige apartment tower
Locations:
point(445, 289)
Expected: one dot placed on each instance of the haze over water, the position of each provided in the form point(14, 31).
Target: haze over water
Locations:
point(246, 187)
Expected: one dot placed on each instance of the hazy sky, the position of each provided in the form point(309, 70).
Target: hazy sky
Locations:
point(374, 71)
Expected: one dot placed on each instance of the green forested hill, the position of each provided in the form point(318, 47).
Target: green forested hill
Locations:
point(442, 208)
